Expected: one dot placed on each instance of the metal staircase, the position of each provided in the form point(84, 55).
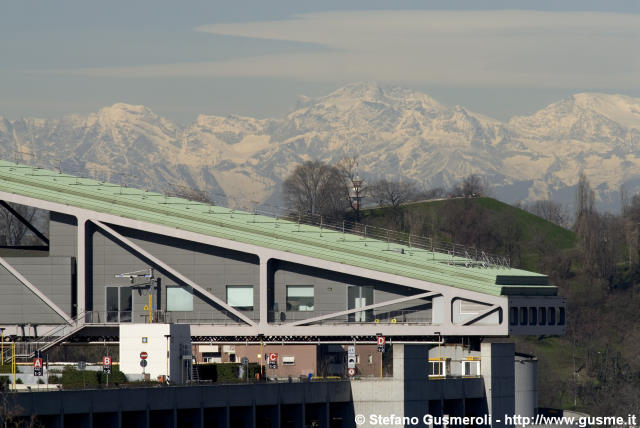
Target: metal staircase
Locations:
point(28, 349)
point(195, 375)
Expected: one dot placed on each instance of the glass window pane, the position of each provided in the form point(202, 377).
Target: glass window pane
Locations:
point(240, 296)
point(126, 304)
point(179, 298)
point(300, 298)
point(112, 304)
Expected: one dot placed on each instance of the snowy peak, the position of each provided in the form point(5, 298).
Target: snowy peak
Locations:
point(395, 132)
point(618, 108)
point(585, 117)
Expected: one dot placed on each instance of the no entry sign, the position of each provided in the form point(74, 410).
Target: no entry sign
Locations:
point(143, 355)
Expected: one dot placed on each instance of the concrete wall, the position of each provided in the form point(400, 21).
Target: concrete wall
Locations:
point(227, 406)
point(132, 343)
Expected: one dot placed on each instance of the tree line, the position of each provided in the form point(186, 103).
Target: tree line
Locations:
point(337, 190)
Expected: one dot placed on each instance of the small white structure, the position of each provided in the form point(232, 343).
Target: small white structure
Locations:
point(166, 349)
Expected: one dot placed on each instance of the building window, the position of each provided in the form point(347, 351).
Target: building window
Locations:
point(471, 367)
point(240, 297)
point(212, 357)
point(119, 304)
point(437, 368)
point(523, 316)
point(300, 298)
point(552, 315)
point(533, 316)
point(179, 298)
point(513, 316)
point(542, 315)
point(561, 317)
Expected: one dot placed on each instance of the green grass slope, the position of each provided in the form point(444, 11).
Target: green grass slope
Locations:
point(484, 223)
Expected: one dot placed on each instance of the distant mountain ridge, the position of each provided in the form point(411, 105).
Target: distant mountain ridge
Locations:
point(395, 132)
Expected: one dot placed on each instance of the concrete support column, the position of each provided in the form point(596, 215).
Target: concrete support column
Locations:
point(81, 273)
point(264, 281)
point(498, 373)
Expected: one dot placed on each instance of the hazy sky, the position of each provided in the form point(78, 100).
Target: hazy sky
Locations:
point(500, 58)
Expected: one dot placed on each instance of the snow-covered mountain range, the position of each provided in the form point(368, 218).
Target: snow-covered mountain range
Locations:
point(394, 132)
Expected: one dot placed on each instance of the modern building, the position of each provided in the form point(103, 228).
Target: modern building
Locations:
point(251, 285)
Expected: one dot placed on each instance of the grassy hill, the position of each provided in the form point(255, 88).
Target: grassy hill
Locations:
point(485, 223)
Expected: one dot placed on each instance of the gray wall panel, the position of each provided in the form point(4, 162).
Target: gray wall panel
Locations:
point(210, 267)
point(330, 293)
point(51, 275)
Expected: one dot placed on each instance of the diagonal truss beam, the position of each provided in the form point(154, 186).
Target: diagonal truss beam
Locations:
point(24, 221)
point(364, 308)
point(127, 242)
point(13, 271)
point(482, 314)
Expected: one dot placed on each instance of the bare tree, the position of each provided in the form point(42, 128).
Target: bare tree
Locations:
point(471, 186)
point(393, 192)
point(12, 230)
point(190, 193)
point(549, 210)
point(315, 188)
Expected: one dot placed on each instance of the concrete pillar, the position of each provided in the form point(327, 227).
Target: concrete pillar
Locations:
point(264, 281)
point(497, 367)
point(81, 273)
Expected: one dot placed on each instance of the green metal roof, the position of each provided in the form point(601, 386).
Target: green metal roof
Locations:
point(266, 231)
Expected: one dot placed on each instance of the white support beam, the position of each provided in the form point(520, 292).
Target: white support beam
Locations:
point(81, 265)
point(264, 280)
point(364, 308)
point(13, 271)
point(136, 248)
point(482, 315)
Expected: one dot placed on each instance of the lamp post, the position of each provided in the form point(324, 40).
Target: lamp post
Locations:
point(168, 336)
point(2, 345)
point(356, 182)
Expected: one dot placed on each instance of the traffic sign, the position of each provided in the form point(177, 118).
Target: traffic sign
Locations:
point(273, 360)
point(143, 355)
point(37, 367)
point(143, 363)
point(381, 342)
point(351, 372)
point(106, 365)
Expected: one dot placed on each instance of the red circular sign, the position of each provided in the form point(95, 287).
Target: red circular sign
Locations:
point(143, 355)
point(381, 340)
point(273, 356)
point(351, 372)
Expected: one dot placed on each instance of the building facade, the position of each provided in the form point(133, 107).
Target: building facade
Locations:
point(250, 285)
